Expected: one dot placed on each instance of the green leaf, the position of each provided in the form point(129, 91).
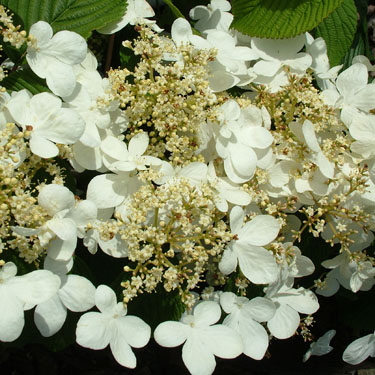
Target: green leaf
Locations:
point(24, 79)
point(280, 19)
point(127, 59)
point(338, 31)
point(81, 16)
point(360, 45)
point(13, 53)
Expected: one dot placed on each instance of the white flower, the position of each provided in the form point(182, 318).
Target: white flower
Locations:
point(353, 94)
point(321, 346)
point(230, 58)
point(59, 234)
point(136, 11)
point(255, 262)
point(289, 302)
point(47, 120)
point(75, 294)
point(239, 139)
point(296, 264)
point(244, 317)
point(360, 349)
point(18, 291)
point(120, 158)
point(195, 173)
point(213, 16)
point(95, 330)
point(110, 190)
point(202, 338)
point(52, 58)
point(306, 134)
point(57, 200)
point(275, 53)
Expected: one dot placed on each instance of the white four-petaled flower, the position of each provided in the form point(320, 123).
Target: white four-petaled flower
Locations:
point(95, 330)
point(52, 56)
point(202, 338)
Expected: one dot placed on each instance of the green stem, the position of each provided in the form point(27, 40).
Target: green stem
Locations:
point(174, 9)
point(156, 216)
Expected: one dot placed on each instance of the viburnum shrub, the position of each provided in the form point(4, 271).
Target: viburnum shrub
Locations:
point(202, 178)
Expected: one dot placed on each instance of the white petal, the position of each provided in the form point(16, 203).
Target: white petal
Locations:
point(134, 330)
point(359, 350)
point(42, 31)
point(330, 96)
point(223, 341)
point(260, 309)
point(19, 108)
point(92, 331)
point(206, 313)
point(267, 68)
point(352, 79)
point(60, 268)
point(38, 62)
point(260, 231)
point(62, 126)
point(65, 229)
point(236, 219)
point(309, 135)
point(222, 80)
point(255, 338)
point(60, 78)
point(256, 136)
point(228, 262)
point(77, 293)
point(138, 144)
point(105, 298)
point(233, 194)
point(326, 167)
point(301, 62)
point(171, 334)
point(50, 316)
point(181, 31)
point(362, 100)
point(197, 358)
point(42, 147)
point(43, 104)
point(304, 265)
point(35, 287)
point(107, 190)
point(363, 129)
point(228, 302)
point(284, 323)
point(69, 47)
point(83, 212)
point(114, 148)
point(11, 316)
point(62, 249)
point(256, 263)
point(122, 352)
point(301, 300)
point(87, 157)
point(55, 198)
point(113, 27)
point(243, 159)
point(8, 270)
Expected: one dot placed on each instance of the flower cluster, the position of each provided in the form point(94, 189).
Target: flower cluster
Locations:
point(208, 162)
